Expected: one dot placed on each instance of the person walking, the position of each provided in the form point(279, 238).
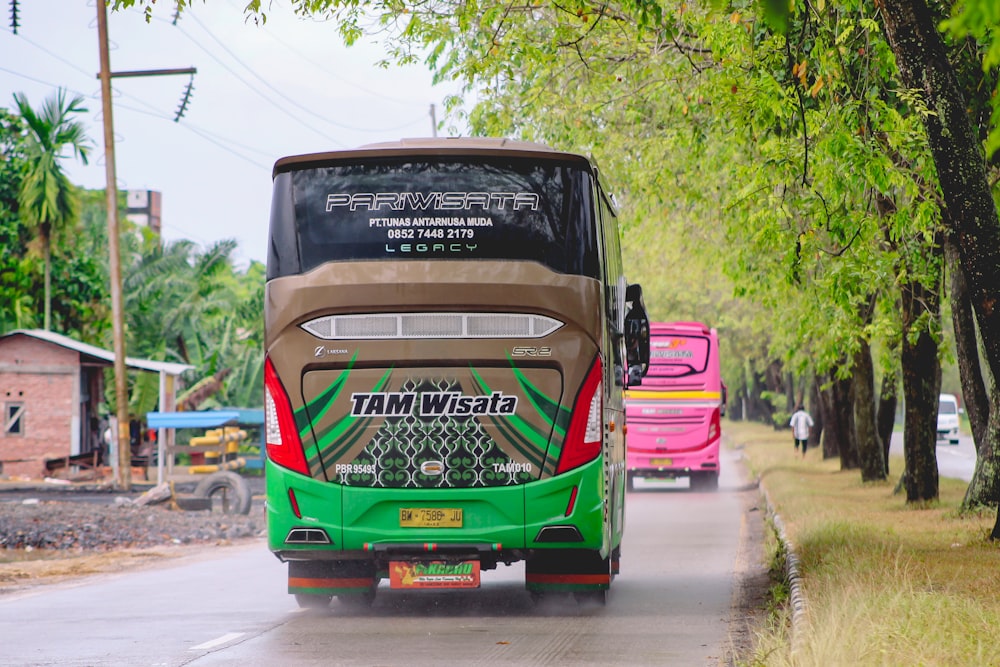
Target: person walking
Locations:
point(801, 423)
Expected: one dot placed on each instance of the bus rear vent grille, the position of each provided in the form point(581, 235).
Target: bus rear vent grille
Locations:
point(382, 326)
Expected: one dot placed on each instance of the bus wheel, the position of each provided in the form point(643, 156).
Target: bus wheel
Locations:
point(705, 481)
point(312, 601)
point(599, 598)
point(629, 481)
point(357, 601)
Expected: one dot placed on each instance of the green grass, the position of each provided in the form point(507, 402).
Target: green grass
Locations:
point(884, 583)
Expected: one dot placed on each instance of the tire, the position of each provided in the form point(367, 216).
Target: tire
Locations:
point(227, 488)
point(599, 598)
point(362, 601)
point(312, 601)
point(706, 481)
point(629, 482)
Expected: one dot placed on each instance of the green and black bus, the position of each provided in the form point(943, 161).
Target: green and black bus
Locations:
point(449, 334)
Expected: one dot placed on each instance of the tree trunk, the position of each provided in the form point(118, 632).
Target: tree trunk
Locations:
point(972, 215)
point(975, 399)
point(921, 387)
point(888, 398)
point(47, 257)
point(870, 455)
point(843, 413)
point(816, 410)
point(984, 488)
point(831, 427)
point(758, 408)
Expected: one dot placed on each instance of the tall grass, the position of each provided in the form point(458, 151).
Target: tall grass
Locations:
point(884, 583)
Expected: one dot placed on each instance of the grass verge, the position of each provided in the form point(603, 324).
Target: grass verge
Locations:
point(884, 584)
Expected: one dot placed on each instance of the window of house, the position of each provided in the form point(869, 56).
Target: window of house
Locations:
point(13, 419)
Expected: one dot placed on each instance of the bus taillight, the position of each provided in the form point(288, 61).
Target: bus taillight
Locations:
point(714, 426)
point(586, 428)
point(284, 447)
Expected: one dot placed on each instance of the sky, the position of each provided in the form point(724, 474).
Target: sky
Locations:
point(260, 93)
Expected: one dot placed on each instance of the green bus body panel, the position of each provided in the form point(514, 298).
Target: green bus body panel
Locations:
point(511, 516)
point(371, 516)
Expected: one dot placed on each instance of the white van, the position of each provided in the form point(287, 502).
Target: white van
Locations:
point(948, 418)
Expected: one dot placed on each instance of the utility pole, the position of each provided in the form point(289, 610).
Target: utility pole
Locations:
point(124, 481)
point(434, 123)
point(124, 458)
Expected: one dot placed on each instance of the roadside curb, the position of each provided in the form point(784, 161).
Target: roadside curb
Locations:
point(796, 595)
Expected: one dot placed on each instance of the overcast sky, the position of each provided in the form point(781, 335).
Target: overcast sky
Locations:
point(260, 93)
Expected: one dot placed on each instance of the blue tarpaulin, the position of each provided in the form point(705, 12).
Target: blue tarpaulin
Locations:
point(202, 419)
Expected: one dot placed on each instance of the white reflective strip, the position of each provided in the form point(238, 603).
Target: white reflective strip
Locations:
point(218, 641)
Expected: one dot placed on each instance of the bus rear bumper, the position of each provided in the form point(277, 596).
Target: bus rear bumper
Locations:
point(313, 519)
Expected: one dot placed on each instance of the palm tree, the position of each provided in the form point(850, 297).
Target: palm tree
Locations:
point(48, 201)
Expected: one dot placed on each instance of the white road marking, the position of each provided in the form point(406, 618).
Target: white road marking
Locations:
point(218, 641)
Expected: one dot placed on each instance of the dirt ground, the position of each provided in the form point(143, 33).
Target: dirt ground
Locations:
point(52, 538)
point(753, 579)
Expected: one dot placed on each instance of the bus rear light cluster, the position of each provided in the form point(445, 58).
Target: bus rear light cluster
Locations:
point(585, 434)
point(284, 446)
point(387, 326)
point(715, 426)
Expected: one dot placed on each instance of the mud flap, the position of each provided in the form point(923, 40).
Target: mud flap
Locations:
point(329, 578)
point(567, 571)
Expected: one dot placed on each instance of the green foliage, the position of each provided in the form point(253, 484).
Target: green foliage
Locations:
point(773, 173)
point(980, 20)
point(194, 307)
point(47, 202)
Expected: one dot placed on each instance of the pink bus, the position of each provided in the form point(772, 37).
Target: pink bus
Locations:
point(673, 416)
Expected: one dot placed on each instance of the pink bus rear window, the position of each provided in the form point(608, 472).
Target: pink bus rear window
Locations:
point(672, 356)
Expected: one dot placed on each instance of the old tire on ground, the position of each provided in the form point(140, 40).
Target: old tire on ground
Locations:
point(227, 488)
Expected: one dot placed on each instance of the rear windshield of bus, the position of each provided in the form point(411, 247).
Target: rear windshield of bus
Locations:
point(675, 356)
point(435, 208)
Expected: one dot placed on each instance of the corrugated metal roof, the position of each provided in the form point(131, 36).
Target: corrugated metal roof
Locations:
point(167, 367)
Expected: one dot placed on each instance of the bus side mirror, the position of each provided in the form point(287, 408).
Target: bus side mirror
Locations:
point(636, 333)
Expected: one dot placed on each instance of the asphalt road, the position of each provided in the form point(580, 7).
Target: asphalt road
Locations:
point(957, 461)
point(683, 558)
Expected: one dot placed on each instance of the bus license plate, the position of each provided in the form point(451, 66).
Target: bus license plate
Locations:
point(430, 517)
point(661, 462)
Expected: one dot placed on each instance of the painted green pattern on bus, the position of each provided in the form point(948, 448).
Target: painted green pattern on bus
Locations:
point(345, 432)
point(524, 436)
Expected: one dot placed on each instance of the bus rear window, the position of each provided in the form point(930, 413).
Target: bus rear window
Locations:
point(405, 209)
point(673, 356)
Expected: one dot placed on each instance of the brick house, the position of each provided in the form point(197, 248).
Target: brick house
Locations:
point(50, 390)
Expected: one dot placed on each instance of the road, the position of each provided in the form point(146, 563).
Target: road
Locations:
point(957, 461)
point(682, 560)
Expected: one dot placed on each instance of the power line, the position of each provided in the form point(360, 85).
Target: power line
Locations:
point(282, 95)
point(258, 92)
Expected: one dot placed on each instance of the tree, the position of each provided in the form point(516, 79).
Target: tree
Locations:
point(961, 169)
point(786, 132)
point(190, 306)
point(17, 308)
point(48, 201)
